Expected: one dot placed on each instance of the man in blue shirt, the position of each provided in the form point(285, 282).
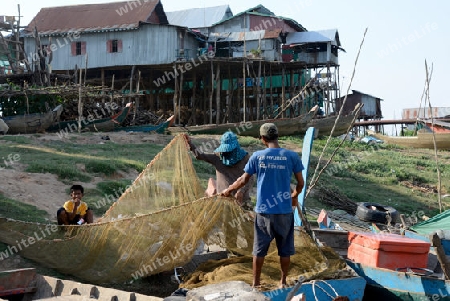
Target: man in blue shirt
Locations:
point(274, 217)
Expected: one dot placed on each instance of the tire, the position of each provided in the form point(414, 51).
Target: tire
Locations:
point(373, 212)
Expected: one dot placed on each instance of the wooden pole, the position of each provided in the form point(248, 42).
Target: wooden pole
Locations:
point(175, 95)
point(131, 81)
point(271, 91)
point(194, 99)
point(218, 89)
point(229, 97)
point(264, 93)
point(243, 90)
point(85, 68)
point(102, 74)
point(258, 92)
point(112, 89)
point(180, 97)
point(291, 91)
point(80, 102)
point(17, 36)
point(283, 91)
point(211, 93)
point(136, 99)
point(436, 242)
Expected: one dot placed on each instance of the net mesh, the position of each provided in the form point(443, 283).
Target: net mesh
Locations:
point(155, 226)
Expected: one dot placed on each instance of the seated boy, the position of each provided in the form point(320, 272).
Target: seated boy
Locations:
point(75, 211)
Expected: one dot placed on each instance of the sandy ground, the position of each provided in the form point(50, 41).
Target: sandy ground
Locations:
point(45, 191)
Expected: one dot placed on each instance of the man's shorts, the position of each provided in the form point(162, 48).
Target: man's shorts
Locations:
point(270, 226)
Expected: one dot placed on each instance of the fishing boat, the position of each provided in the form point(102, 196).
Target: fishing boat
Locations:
point(439, 224)
point(157, 128)
point(408, 284)
point(15, 282)
point(325, 125)
point(102, 125)
point(3, 127)
point(352, 288)
point(394, 266)
point(32, 123)
point(437, 125)
point(422, 140)
point(286, 126)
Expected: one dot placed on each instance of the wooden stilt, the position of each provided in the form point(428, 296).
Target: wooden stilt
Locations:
point(80, 103)
point(258, 92)
point(244, 106)
point(211, 93)
point(291, 91)
point(218, 90)
point(283, 91)
point(271, 92)
point(175, 96)
point(227, 117)
point(194, 99)
point(180, 97)
point(102, 74)
point(264, 96)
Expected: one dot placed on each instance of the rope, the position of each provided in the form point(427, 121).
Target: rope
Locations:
point(323, 290)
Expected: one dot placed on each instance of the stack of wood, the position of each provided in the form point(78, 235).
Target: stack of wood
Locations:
point(141, 117)
point(333, 197)
point(91, 110)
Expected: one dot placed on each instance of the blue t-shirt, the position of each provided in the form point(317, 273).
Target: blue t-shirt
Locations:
point(274, 168)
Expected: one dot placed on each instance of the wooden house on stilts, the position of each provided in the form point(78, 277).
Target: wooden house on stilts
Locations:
point(206, 65)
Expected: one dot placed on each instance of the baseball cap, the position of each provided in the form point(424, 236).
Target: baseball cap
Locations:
point(268, 130)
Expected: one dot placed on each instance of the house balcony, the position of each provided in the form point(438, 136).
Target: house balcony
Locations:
point(182, 54)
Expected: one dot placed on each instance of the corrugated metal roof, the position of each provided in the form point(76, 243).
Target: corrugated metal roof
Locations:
point(358, 92)
point(241, 36)
point(96, 17)
point(260, 10)
point(330, 35)
point(435, 112)
point(199, 17)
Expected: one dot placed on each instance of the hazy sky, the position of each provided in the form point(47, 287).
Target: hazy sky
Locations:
point(401, 35)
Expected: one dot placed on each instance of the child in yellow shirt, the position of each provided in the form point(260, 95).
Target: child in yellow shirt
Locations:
point(75, 211)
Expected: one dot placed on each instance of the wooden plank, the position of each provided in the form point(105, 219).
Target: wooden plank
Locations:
point(436, 242)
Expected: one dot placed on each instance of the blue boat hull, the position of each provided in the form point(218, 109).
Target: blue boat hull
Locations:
point(394, 285)
point(322, 289)
point(444, 242)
